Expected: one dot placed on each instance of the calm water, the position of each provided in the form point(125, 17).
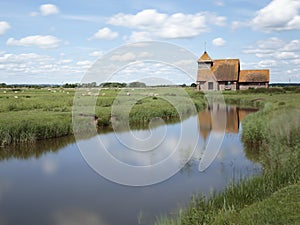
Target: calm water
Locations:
point(49, 183)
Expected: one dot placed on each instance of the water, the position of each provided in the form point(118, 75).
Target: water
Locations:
point(49, 182)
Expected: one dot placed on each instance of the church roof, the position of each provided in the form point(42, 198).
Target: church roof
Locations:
point(226, 69)
point(254, 76)
point(205, 58)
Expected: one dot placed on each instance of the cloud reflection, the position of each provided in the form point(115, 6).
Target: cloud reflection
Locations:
point(72, 216)
point(49, 166)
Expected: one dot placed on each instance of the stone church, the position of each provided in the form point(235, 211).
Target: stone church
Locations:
point(225, 74)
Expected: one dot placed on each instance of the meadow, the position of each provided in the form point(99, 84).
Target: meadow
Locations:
point(31, 114)
point(271, 136)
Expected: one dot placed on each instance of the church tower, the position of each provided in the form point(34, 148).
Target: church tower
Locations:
point(205, 64)
point(205, 61)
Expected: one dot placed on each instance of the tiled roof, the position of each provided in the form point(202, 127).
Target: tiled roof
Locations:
point(254, 76)
point(205, 58)
point(226, 69)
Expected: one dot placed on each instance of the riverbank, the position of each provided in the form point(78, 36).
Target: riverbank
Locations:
point(28, 115)
point(272, 137)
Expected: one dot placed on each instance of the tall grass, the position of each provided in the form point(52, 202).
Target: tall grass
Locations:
point(29, 127)
point(273, 133)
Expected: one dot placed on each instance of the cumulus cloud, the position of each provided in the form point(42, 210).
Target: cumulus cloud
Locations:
point(138, 36)
point(238, 24)
point(96, 53)
point(33, 66)
point(151, 23)
point(275, 48)
point(46, 10)
point(277, 55)
point(105, 33)
point(129, 56)
point(40, 41)
point(219, 3)
point(84, 63)
point(4, 26)
point(218, 42)
point(278, 15)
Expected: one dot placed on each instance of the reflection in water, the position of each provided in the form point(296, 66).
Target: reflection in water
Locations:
point(49, 183)
point(233, 114)
point(74, 216)
point(36, 149)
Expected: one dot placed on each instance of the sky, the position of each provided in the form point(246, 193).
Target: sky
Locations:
point(56, 42)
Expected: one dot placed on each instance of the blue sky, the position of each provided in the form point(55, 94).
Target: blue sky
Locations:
point(57, 41)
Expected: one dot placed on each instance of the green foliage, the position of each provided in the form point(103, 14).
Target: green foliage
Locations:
point(297, 90)
point(66, 85)
point(277, 90)
point(113, 85)
point(136, 84)
point(282, 207)
point(274, 134)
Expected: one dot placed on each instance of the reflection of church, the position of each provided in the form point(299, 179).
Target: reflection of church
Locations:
point(213, 119)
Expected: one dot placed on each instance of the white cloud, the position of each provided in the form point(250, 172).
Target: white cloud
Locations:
point(278, 15)
point(36, 68)
point(65, 61)
point(219, 3)
point(293, 45)
point(275, 48)
point(277, 55)
point(219, 42)
point(46, 10)
point(105, 33)
point(40, 41)
point(84, 63)
point(271, 43)
point(129, 56)
point(286, 55)
point(96, 53)
point(267, 63)
point(139, 36)
point(151, 23)
point(296, 61)
point(4, 26)
point(238, 24)
point(86, 18)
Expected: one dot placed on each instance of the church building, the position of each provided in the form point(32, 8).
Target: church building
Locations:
point(225, 74)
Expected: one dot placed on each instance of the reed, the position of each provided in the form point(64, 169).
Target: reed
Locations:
point(273, 133)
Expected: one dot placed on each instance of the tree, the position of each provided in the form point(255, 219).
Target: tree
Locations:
point(137, 84)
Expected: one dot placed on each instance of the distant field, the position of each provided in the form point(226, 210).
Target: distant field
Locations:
point(30, 114)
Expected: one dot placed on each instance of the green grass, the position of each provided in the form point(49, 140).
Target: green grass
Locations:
point(282, 207)
point(29, 115)
point(272, 135)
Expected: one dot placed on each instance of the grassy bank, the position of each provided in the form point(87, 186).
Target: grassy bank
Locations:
point(28, 115)
point(273, 135)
